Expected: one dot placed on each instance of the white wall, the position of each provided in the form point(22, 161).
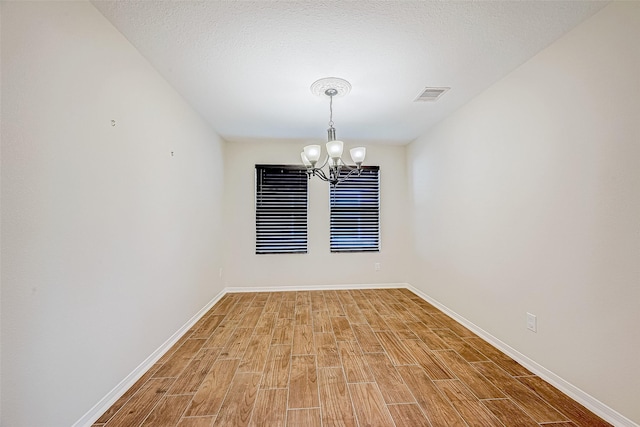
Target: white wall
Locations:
point(109, 244)
point(528, 199)
point(319, 266)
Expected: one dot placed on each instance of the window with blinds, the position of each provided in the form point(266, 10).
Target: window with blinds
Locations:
point(281, 209)
point(355, 213)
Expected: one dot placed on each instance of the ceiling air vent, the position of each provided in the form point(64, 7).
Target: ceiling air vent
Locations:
point(431, 93)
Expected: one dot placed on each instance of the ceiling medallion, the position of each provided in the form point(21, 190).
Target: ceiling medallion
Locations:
point(336, 86)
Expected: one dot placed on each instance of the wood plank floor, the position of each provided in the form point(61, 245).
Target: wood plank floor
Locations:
point(381, 357)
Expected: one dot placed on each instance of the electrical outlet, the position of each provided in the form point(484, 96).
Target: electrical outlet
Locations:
point(532, 322)
point(376, 266)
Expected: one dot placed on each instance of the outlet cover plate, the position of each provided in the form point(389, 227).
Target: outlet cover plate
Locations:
point(532, 322)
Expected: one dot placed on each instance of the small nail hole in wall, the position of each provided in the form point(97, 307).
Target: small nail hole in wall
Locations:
point(172, 154)
point(113, 122)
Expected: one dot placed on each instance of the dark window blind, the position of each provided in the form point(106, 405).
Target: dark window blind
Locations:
point(355, 212)
point(281, 209)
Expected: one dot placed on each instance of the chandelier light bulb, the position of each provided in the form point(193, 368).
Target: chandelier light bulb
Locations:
point(334, 149)
point(305, 161)
point(312, 152)
point(358, 154)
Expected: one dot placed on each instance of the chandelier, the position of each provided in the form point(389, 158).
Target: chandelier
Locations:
point(332, 87)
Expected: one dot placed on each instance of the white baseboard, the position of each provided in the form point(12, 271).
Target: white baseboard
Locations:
point(314, 287)
point(105, 403)
point(588, 401)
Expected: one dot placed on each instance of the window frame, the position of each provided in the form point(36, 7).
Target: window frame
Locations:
point(296, 240)
point(371, 217)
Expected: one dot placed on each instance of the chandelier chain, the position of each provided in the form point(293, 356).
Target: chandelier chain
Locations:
point(330, 110)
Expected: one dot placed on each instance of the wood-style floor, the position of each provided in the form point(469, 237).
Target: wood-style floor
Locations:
point(381, 357)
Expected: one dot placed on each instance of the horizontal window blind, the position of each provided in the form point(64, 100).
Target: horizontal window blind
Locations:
point(281, 209)
point(355, 212)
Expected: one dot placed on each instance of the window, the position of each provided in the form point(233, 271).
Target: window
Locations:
point(355, 213)
point(281, 209)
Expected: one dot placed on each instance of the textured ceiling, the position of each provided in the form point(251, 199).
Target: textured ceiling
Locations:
point(247, 66)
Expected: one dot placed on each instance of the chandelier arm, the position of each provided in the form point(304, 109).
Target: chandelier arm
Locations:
point(320, 174)
point(351, 172)
point(334, 174)
point(326, 160)
point(348, 166)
